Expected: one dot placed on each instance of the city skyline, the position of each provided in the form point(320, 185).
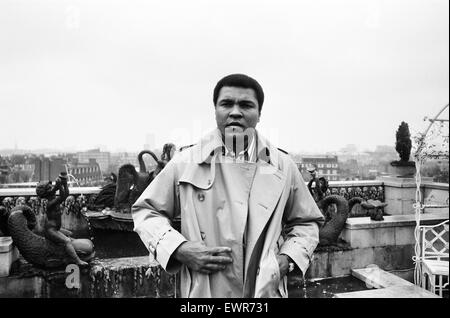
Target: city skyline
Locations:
point(55, 151)
point(79, 75)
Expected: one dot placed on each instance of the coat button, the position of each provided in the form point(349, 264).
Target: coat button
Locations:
point(257, 271)
point(201, 196)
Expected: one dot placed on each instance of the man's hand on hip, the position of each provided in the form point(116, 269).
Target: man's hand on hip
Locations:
point(201, 258)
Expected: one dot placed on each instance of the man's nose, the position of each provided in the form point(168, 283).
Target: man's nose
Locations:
point(236, 111)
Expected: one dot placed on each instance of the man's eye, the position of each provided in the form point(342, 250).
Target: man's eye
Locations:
point(226, 103)
point(246, 105)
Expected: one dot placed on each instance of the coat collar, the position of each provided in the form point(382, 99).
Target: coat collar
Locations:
point(211, 145)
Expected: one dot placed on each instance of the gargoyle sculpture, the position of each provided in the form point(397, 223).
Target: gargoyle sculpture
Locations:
point(374, 209)
point(334, 222)
point(131, 184)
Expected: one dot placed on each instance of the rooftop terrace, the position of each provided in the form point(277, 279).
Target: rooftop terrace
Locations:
point(388, 244)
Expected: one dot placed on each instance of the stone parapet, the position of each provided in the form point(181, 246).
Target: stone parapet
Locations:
point(400, 194)
point(338, 263)
point(105, 278)
point(394, 230)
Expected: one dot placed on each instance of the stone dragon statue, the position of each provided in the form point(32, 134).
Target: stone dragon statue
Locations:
point(19, 223)
point(334, 221)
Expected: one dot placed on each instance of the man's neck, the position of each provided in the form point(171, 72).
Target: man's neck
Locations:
point(237, 144)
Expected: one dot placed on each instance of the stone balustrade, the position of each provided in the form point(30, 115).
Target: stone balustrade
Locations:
point(366, 189)
point(84, 197)
point(80, 198)
point(397, 192)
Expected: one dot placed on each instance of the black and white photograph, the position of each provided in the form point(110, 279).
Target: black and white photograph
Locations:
point(224, 155)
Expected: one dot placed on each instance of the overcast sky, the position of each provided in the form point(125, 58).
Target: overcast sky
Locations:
point(119, 74)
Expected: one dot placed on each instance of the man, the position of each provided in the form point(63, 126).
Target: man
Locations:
point(247, 217)
point(317, 186)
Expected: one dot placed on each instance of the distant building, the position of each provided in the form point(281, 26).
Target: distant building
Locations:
point(103, 158)
point(48, 168)
point(349, 169)
point(85, 172)
point(5, 171)
point(327, 166)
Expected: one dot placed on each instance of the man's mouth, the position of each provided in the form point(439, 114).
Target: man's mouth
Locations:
point(235, 125)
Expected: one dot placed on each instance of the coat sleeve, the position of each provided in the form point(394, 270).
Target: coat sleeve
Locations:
point(152, 212)
point(302, 219)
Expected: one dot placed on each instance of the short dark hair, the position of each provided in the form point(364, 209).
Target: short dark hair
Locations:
point(243, 81)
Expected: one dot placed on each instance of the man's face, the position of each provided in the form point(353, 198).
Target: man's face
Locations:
point(237, 109)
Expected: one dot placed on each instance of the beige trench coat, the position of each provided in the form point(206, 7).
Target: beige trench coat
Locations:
point(265, 205)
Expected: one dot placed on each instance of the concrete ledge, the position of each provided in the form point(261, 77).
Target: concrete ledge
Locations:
point(390, 292)
point(24, 192)
point(435, 185)
point(359, 183)
point(377, 278)
point(400, 182)
point(395, 220)
point(387, 286)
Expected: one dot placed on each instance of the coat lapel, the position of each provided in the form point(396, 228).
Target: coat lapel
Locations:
point(266, 190)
